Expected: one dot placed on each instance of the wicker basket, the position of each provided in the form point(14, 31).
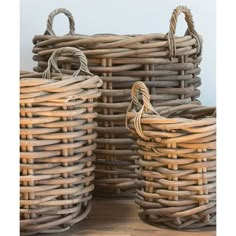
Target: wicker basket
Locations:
point(168, 65)
point(57, 144)
point(177, 168)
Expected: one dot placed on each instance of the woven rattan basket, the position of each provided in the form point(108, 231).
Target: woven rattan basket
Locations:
point(56, 146)
point(177, 168)
point(168, 65)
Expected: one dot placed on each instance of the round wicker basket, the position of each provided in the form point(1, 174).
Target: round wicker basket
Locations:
point(177, 165)
point(56, 146)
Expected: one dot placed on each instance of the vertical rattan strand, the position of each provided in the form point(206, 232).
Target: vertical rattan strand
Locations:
point(149, 188)
point(152, 78)
point(146, 68)
point(110, 112)
point(169, 167)
point(173, 167)
point(105, 112)
point(89, 153)
point(65, 153)
point(30, 161)
point(182, 72)
point(200, 180)
point(205, 192)
point(70, 150)
point(25, 195)
point(194, 74)
point(175, 178)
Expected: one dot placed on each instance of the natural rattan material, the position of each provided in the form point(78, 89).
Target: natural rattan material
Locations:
point(177, 165)
point(24, 72)
point(168, 65)
point(56, 146)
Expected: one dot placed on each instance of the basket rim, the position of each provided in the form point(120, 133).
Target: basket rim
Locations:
point(173, 119)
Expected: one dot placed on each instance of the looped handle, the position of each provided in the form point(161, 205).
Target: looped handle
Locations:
point(52, 62)
point(49, 30)
point(191, 30)
point(140, 87)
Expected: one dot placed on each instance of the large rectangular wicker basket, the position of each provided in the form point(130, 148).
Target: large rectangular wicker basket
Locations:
point(168, 65)
point(177, 168)
point(56, 147)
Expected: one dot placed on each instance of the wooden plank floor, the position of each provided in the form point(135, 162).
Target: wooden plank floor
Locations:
point(113, 217)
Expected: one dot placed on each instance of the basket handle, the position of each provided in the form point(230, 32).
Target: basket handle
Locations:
point(52, 62)
point(49, 30)
point(140, 87)
point(191, 30)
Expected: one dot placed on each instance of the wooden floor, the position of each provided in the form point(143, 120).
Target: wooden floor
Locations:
point(112, 217)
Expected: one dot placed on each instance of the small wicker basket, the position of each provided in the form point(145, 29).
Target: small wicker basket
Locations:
point(168, 65)
point(56, 146)
point(177, 168)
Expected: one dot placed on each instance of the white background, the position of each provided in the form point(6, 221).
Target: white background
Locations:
point(123, 17)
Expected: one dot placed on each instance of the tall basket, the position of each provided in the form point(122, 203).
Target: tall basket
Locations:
point(176, 183)
point(56, 146)
point(167, 64)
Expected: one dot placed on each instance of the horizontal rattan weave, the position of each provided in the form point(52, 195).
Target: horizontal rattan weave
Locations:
point(56, 146)
point(168, 65)
point(24, 72)
point(177, 165)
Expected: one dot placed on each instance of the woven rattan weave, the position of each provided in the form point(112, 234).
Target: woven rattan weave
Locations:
point(177, 168)
point(168, 65)
point(56, 146)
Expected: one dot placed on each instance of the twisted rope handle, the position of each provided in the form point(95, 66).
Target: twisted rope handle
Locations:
point(49, 30)
point(191, 30)
point(140, 87)
point(52, 62)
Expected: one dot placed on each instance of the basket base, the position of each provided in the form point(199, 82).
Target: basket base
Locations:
point(120, 217)
point(168, 225)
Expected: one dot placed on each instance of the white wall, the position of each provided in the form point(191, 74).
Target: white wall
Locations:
point(123, 17)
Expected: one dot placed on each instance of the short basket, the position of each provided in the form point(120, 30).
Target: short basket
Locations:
point(176, 183)
point(168, 65)
point(56, 146)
